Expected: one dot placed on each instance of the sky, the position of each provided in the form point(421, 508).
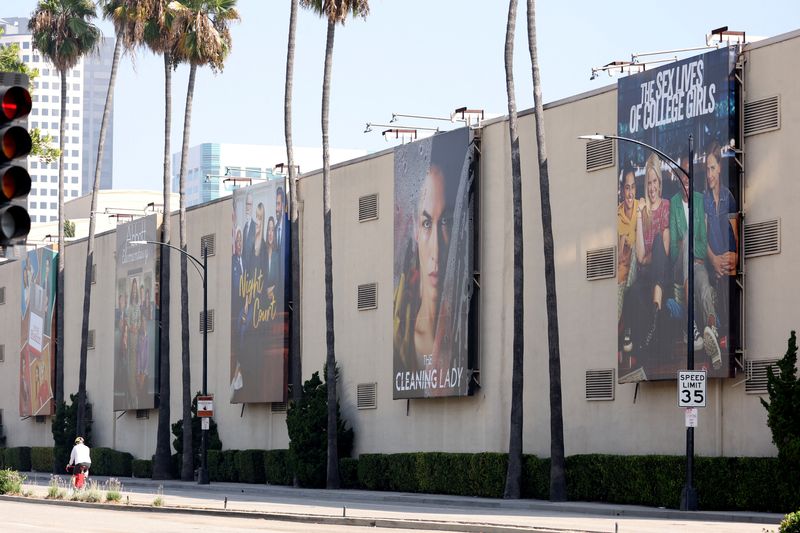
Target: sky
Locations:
point(420, 57)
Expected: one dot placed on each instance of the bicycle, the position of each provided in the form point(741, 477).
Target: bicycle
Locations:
point(78, 480)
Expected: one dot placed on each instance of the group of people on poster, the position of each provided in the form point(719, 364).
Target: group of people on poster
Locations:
point(259, 277)
point(134, 318)
point(652, 266)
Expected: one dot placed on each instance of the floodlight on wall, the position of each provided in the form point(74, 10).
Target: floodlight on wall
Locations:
point(468, 116)
point(403, 134)
point(236, 182)
point(282, 169)
point(154, 207)
point(723, 34)
point(393, 126)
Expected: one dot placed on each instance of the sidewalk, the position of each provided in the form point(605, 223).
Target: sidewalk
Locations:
point(410, 510)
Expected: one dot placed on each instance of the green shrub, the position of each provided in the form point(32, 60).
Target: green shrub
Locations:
point(18, 458)
point(108, 462)
point(250, 466)
point(790, 523)
point(222, 465)
point(2, 458)
point(348, 471)
point(372, 471)
point(277, 470)
point(42, 459)
point(142, 468)
point(783, 415)
point(307, 422)
point(11, 481)
point(535, 477)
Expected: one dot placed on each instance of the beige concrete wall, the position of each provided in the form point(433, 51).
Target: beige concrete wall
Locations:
point(583, 206)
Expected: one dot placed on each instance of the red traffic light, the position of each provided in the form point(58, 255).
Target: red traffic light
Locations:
point(15, 141)
point(15, 103)
point(15, 182)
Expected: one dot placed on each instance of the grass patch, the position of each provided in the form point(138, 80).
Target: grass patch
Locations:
point(113, 490)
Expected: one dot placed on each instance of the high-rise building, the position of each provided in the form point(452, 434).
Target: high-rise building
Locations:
point(87, 84)
point(214, 170)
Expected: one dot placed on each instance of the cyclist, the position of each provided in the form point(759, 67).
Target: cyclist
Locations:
point(80, 457)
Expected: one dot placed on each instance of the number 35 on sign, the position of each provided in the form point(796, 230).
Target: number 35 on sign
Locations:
point(692, 388)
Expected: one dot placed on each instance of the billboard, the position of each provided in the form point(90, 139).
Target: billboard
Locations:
point(663, 107)
point(37, 351)
point(260, 275)
point(136, 316)
point(433, 262)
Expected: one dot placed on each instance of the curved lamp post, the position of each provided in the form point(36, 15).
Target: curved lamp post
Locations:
point(202, 269)
point(689, 492)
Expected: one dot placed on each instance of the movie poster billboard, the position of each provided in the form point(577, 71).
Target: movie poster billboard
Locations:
point(663, 107)
point(433, 261)
point(37, 350)
point(136, 335)
point(260, 289)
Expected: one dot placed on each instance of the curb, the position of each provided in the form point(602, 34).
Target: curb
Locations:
point(466, 527)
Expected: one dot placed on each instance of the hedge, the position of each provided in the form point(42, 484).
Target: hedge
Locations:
point(42, 459)
point(18, 458)
point(142, 468)
point(222, 465)
point(108, 462)
point(277, 470)
point(249, 465)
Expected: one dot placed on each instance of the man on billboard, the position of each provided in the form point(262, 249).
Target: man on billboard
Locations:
point(626, 242)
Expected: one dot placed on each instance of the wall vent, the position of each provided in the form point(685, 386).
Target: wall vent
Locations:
point(757, 375)
point(368, 207)
point(209, 324)
point(40, 419)
point(279, 407)
point(367, 395)
point(600, 384)
point(367, 296)
point(599, 154)
point(90, 340)
point(2, 295)
point(762, 115)
point(142, 414)
point(209, 243)
point(601, 263)
point(762, 238)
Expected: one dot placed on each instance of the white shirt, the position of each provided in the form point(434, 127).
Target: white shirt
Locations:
point(80, 454)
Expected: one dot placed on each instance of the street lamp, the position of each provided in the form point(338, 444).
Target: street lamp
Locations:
point(203, 475)
point(689, 492)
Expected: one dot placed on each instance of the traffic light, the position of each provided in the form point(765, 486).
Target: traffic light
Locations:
point(15, 143)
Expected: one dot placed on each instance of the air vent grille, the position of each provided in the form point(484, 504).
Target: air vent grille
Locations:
point(599, 154)
point(367, 296)
point(600, 384)
point(279, 407)
point(368, 207)
point(367, 395)
point(209, 324)
point(209, 243)
point(757, 375)
point(762, 238)
point(601, 263)
point(762, 115)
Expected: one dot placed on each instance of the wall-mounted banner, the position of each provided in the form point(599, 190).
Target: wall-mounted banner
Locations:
point(663, 107)
point(37, 350)
point(433, 264)
point(136, 315)
point(260, 275)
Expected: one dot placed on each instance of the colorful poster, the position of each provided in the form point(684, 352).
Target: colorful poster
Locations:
point(664, 107)
point(37, 352)
point(433, 264)
point(260, 276)
point(136, 316)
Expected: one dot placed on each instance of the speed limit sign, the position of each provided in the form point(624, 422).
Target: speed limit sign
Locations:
point(692, 388)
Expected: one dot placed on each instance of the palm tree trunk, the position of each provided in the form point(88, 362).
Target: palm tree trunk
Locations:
point(558, 481)
point(59, 395)
point(514, 473)
point(87, 278)
point(187, 469)
point(330, 360)
point(161, 465)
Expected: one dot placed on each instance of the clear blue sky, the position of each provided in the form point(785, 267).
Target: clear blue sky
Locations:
point(410, 56)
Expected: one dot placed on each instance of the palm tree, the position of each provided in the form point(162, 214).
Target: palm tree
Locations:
point(514, 473)
point(63, 32)
point(558, 481)
point(336, 11)
point(204, 39)
point(294, 335)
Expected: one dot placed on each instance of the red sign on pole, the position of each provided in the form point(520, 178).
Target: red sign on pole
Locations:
point(205, 406)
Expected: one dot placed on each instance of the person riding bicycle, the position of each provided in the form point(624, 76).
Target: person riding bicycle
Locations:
point(80, 456)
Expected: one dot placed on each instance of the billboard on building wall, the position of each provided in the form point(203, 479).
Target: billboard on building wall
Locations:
point(433, 261)
point(136, 315)
point(37, 350)
point(260, 275)
point(663, 107)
